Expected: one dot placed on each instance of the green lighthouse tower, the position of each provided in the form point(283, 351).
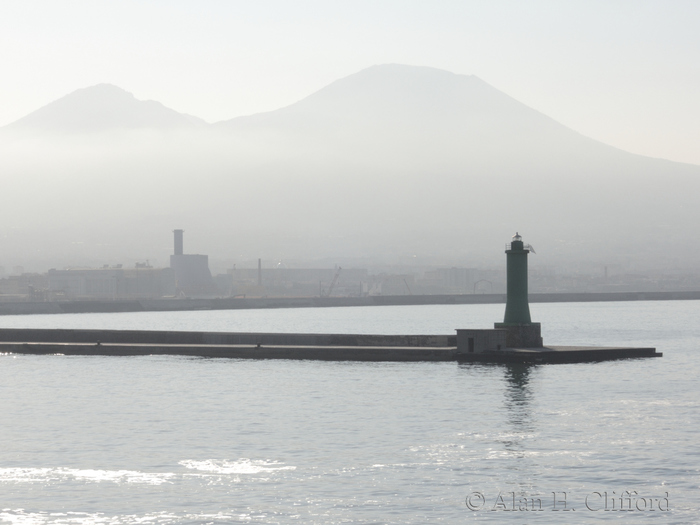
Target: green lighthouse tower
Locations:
point(517, 307)
point(522, 332)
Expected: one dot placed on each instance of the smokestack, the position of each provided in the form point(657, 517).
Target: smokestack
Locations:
point(178, 241)
point(259, 272)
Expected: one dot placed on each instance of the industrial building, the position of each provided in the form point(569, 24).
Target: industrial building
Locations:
point(293, 282)
point(192, 275)
point(112, 282)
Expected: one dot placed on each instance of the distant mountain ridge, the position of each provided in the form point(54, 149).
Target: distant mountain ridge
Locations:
point(403, 93)
point(102, 107)
point(422, 108)
point(411, 110)
point(419, 104)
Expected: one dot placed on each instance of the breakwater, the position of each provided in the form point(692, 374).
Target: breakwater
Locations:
point(326, 347)
point(240, 303)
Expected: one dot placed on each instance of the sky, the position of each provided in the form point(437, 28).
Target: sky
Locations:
point(626, 73)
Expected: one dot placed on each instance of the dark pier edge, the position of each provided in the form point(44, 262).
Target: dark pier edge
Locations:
point(561, 355)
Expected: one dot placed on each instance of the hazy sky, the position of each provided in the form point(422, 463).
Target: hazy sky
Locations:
point(623, 72)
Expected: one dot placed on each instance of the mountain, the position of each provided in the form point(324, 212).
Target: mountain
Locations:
point(418, 108)
point(99, 108)
point(398, 95)
point(392, 163)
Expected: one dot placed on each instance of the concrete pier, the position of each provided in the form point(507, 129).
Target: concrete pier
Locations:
point(325, 347)
point(317, 353)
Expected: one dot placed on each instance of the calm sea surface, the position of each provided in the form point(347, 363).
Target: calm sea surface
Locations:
point(159, 440)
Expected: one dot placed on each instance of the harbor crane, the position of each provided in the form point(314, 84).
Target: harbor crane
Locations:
point(328, 292)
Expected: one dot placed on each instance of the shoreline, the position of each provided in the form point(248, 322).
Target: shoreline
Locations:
point(244, 303)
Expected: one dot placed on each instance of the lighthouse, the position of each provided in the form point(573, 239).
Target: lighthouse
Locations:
point(517, 306)
point(522, 332)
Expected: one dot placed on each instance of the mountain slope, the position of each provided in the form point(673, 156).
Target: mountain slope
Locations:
point(406, 95)
point(99, 108)
point(418, 109)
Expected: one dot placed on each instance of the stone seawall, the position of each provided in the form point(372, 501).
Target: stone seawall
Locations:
point(241, 345)
point(30, 335)
point(316, 353)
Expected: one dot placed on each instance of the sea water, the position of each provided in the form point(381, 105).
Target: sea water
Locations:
point(146, 440)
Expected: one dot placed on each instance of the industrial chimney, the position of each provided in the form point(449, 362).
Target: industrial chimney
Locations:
point(178, 242)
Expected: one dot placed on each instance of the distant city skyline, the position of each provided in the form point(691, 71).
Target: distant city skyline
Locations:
point(624, 73)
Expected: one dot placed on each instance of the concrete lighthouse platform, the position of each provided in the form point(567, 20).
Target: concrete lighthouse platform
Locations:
point(560, 354)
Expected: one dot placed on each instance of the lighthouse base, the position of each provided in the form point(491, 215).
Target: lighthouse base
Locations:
point(522, 335)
